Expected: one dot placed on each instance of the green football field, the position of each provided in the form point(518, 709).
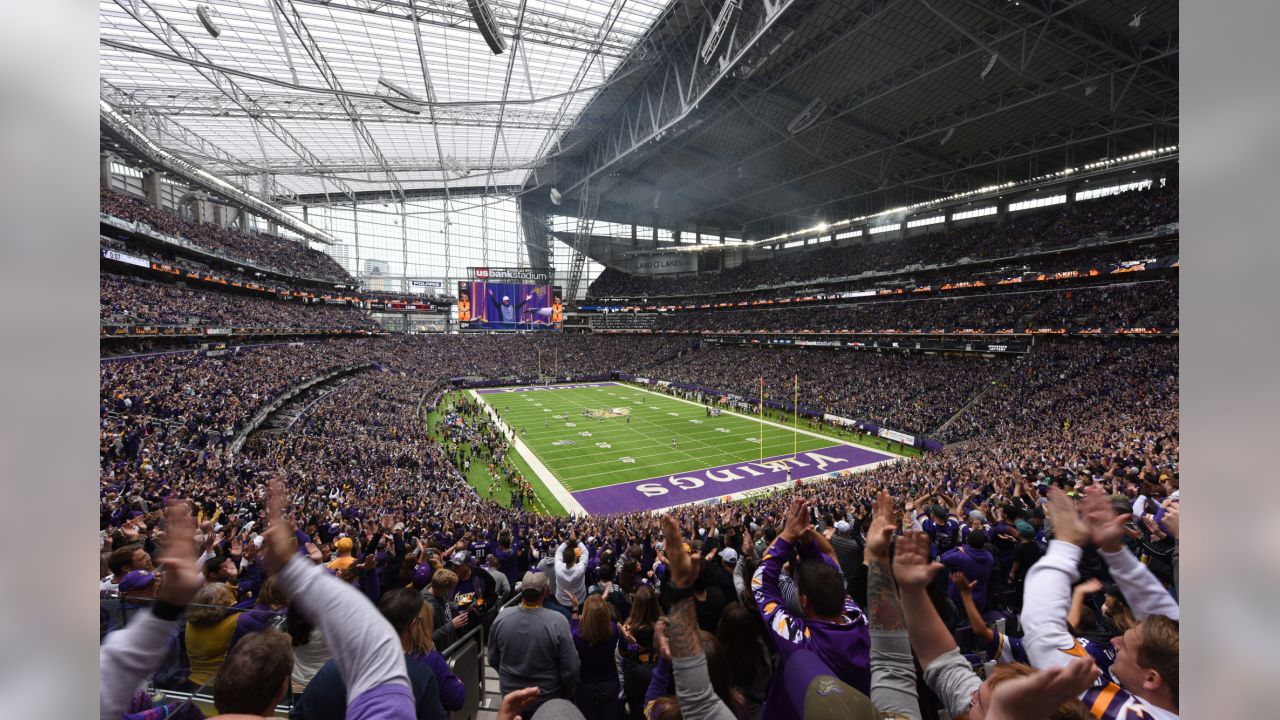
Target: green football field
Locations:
point(577, 438)
point(585, 452)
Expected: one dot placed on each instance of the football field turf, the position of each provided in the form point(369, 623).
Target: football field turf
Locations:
point(610, 447)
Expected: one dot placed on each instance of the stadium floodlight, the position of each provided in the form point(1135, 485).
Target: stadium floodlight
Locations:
point(807, 117)
point(384, 82)
point(452, 165)
point(205, 14)
point(720, 30)
point(950, 131)
point(411, 109)
point(488, 25)
point(1090, 89)
point(555, 196)
point(991, 62)
point(1137, 18)
point(401, 106)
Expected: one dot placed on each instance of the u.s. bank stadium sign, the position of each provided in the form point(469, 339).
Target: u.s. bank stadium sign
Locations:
point(528, 275)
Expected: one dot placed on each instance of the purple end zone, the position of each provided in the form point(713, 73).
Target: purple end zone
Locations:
point(699, 485)
point(535, 388)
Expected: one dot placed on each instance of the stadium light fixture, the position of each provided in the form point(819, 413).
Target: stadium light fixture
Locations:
point(402, 107)
point(1137, 18)
point(488, 25)
point(991, 62)
point(807, 117)
point(451, 164)
point(555, 196)
point(950, 131)
point(205, 15)
point(720, 30)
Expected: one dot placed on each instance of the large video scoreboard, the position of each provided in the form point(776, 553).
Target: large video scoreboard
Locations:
point(510, 299)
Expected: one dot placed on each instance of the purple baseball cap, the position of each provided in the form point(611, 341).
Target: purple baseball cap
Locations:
point(135, 580)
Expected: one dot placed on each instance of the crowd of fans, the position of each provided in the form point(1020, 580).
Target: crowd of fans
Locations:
point(1030, 572)
point(267, 251)
point(1116, 215)
point(909, 393)
point(1131, 305)
point(133, 301)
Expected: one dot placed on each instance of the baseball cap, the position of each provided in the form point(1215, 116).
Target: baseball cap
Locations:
point(842, 526)
point(135, 580)
point(558, 709)
point(815, 692)
point(506, 299)
point(535, 581)
point(729, 555)
point(422, 575)
point(460, 558)
point(344, 544)
point(1025, 529)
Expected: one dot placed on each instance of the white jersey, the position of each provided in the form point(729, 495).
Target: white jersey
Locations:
point(1049, 643)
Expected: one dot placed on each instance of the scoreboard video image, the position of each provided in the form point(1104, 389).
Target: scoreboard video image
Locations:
point(488, 305)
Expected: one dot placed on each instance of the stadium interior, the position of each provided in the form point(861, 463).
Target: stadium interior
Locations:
point(681, 358)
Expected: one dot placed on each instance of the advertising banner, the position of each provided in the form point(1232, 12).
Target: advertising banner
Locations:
point(528, 276)
point(903, 438)
point(665, 264)
point(125, 258)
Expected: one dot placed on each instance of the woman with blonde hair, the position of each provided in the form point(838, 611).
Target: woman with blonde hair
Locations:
point(210, 624)
point(453, 694)
point(595, 636)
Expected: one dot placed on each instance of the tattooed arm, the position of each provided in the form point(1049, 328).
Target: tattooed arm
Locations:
point(693, 685)
point(893, 675)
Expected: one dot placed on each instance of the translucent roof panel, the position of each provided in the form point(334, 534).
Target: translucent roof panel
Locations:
point(293, 87)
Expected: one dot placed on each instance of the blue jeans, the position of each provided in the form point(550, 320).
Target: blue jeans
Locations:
point(551, 604)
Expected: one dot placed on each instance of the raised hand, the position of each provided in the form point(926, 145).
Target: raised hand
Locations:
point(683, 566)
point(1089, 587)
point(796, 520)
point(1039, 695)
point(963, 583)
point(279, 542)
point(515, 702)
point(882, 527)
point(313, 553)
point(911, 566)
point(1105, 527)
point(181, 578)
point(1067, 525)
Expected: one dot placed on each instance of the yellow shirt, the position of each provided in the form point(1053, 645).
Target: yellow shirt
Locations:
point(207, 647)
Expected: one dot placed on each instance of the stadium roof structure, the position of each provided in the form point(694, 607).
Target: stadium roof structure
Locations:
point(818, 110)
point(320, 101)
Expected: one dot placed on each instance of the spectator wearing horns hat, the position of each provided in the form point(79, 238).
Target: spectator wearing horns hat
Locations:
point(343, 546)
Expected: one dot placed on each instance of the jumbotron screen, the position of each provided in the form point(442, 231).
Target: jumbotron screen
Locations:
point(483, 304)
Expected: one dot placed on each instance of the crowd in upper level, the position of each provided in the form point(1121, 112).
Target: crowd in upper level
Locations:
point(1116, 216)
point(128, 300)
point(1130, 305)
point(270, 252)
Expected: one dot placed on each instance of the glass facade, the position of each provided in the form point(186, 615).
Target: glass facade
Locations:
point(388, 242)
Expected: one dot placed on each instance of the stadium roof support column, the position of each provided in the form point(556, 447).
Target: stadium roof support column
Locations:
point(151, 187)
point(104, 171)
